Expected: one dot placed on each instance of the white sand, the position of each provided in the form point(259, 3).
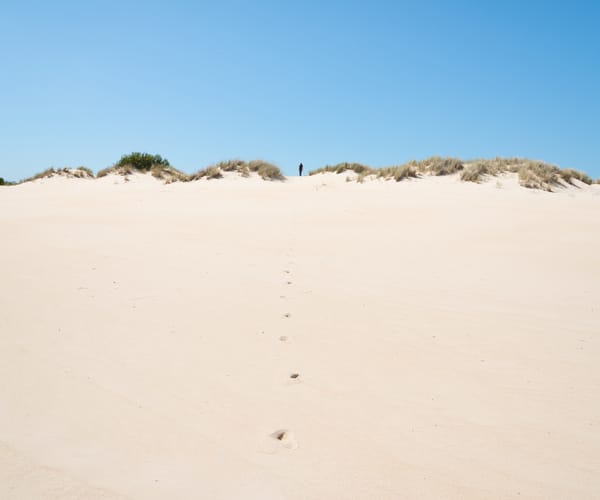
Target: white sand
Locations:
point(446, 337)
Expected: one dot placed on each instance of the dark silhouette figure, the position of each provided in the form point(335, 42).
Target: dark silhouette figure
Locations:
point(300, 168)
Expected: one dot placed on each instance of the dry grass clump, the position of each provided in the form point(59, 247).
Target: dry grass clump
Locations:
point(475, 172)
point(168, 174)
point(340, 168)
point(440, 166)
point(76, 173)
point(265, 170)
point(123, 170)
point(539, 175)
point(212, 172)
point(397, 173)
point(568, 174)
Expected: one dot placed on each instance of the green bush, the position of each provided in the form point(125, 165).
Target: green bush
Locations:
point(2, 183)
point(142, 161)
point(159, 167)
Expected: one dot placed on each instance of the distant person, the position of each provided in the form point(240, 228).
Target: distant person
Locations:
point(300, 168)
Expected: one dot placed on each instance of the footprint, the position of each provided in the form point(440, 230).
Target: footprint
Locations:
point(287, 315)
point(285, 438)
point(278, 442)
point(283, 338)
point(288, 282)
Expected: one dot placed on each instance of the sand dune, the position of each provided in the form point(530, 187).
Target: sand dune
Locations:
point(312, 339)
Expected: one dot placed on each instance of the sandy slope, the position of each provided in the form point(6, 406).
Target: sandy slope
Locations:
point(446, 337)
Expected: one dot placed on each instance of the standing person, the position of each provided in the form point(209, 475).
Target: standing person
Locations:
point(300, 168)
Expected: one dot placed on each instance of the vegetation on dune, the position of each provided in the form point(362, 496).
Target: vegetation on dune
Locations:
point(568, 174)
point(156, 165)
point(340, 168)
point(78, 173)
point(265, 170)
point(531, 173)
point(398, 173)
point(142, 161)
point(539, 175)
point(440, 166)
point(475, 172)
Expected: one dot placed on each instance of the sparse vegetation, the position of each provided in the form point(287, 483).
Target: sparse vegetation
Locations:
point(340, 168)
point(531, 173)
point(78, 173)
point(265, 170)
point(398, 173)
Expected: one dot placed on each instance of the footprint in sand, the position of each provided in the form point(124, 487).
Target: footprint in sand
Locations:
point(287, 315)
point(278, 441)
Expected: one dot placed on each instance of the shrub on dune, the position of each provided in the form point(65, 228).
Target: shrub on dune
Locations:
point(156, 165)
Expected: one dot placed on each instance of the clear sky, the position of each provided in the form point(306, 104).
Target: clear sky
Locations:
point(377, 82)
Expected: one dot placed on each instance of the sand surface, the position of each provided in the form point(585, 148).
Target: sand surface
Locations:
point(445, 337)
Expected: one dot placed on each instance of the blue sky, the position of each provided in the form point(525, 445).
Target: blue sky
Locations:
point(314, 81)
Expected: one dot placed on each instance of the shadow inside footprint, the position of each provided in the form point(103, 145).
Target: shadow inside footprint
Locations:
point(285, 438)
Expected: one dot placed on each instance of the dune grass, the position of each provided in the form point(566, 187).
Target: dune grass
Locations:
point(78, 173)
point(397, 173)
point(531, 174)
point(340, 168)
point(568, 174)
point(436, 165)
point(263, 169)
